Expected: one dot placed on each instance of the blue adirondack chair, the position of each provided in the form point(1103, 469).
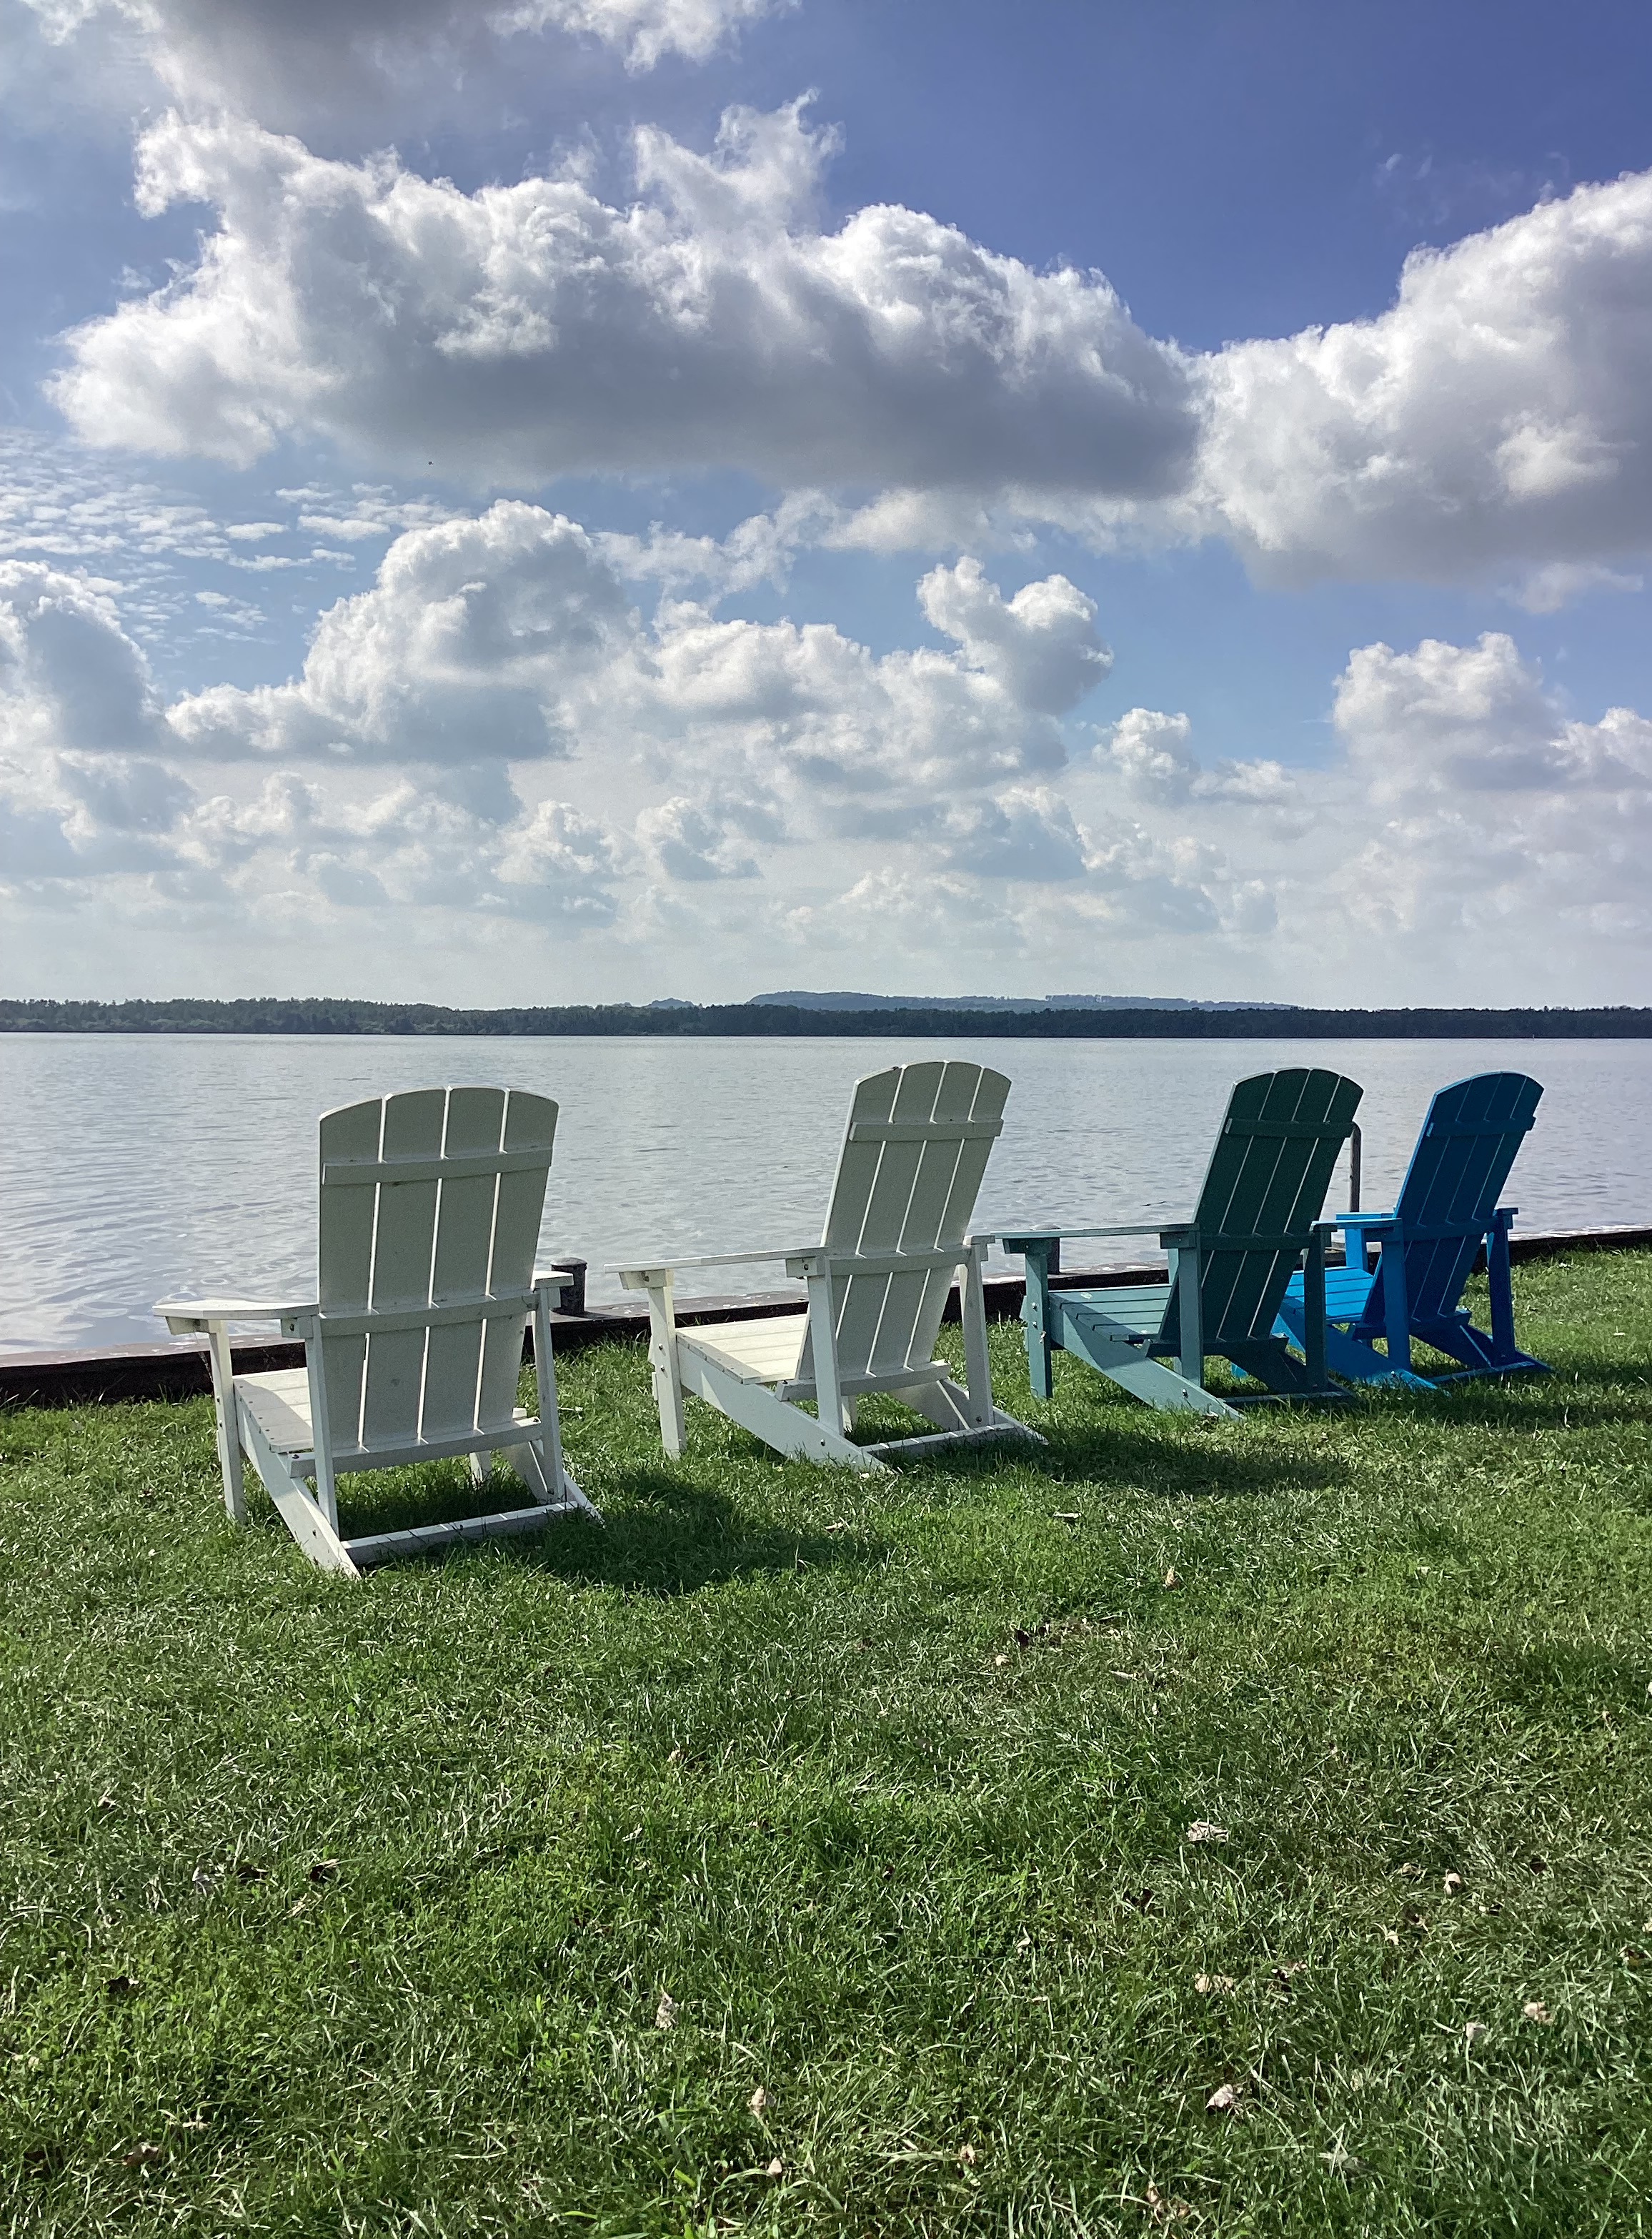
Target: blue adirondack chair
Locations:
point(1446, 1211)
point(1254, 1225)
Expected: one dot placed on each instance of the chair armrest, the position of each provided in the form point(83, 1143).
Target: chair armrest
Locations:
point(640, 1276)
point(183, 1316)
point(1008, 1237)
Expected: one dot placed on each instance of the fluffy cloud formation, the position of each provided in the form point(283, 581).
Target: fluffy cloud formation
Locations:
point(1153, 754)
point(528, 330)
point(1494, 419)
point(493, 736)
point(290, 60)
point(1494, 809)
point(508, 639)
point(1498, 413)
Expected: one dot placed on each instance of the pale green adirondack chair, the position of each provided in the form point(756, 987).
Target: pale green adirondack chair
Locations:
point(895, 1240)
point(1229, 1266)
point(429, 1217)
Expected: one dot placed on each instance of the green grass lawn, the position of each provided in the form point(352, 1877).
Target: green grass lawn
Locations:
point(802, 1852)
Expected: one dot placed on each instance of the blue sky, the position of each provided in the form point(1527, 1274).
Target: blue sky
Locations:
point(922, 497)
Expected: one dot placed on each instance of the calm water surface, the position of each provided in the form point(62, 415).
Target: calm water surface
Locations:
point(133, 1166)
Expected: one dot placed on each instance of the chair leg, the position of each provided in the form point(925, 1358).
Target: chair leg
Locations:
point(667, 1371)
point(978, 1366)
point(1500, 1279)
point(1397, 1318)
point(223, 1408)
point(1035, 1311)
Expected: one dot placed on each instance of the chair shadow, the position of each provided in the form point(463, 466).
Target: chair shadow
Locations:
point(1182, 1468)
point(661, 1532)
point(1587, 1398)
point(665, 1534)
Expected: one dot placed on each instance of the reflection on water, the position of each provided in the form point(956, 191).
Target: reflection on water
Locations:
point(132, 1165)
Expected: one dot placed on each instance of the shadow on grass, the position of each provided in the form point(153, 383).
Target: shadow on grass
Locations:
point(1203, 1467)
point(1594, 1395)
point(665, 1534)
point(662, 1532)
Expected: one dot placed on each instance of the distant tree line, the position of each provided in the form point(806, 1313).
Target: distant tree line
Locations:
point(324, 1014)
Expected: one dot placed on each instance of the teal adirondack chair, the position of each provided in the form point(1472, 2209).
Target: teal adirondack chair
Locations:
point(1446, 1211)
point(1229, 1266)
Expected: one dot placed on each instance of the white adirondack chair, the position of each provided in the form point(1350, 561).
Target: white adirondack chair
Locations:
point(430, 1205)
point(913, 1153)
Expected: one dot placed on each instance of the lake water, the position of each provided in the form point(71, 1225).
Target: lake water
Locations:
point(136, 1165)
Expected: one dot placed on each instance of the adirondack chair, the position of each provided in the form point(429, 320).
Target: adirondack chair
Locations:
point(913, 1153)
point(430, 1205)
point(1446, 1211)
point(1229, 1266)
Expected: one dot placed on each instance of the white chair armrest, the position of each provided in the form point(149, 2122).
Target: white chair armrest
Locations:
point(184, 1316)
point(647, 1274)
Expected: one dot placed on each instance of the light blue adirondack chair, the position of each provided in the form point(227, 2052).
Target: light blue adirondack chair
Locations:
point(1255, 1222)
point(1446, 1211)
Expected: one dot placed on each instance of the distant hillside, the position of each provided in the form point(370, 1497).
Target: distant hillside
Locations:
point(798, 998)
point(336, 1015)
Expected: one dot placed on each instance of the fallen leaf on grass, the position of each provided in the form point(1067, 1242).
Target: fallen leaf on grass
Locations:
point(966, 2154)
point(143, 2155)
point(1472, 2030)
point(1163, 2210)
point(1411, 1873)
point(1453, 1885)
point(757, 2100)
point(1224, 2100)
point(1206, 1830)
point(666, 2012)
point(1536, 2010)
point(776, 2168)
point(1170, 1579)
point(999, 1661)
point(1211, 1985)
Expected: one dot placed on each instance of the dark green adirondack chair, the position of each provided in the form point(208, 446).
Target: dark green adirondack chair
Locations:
point(1253, 1228)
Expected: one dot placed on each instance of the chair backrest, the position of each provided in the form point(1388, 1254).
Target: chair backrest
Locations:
point(915, 1150)
point(1264, 1190)
point(429, 1200)
point(1454, 1181)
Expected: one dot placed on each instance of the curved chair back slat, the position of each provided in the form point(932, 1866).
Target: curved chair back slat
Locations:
point(1264, 1190)
point(915, 1148)
point(429, 1200)
point(1468, 1142)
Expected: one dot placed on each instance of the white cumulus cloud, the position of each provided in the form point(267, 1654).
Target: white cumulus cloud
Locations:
point(1498, 413)
point(528, 330)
